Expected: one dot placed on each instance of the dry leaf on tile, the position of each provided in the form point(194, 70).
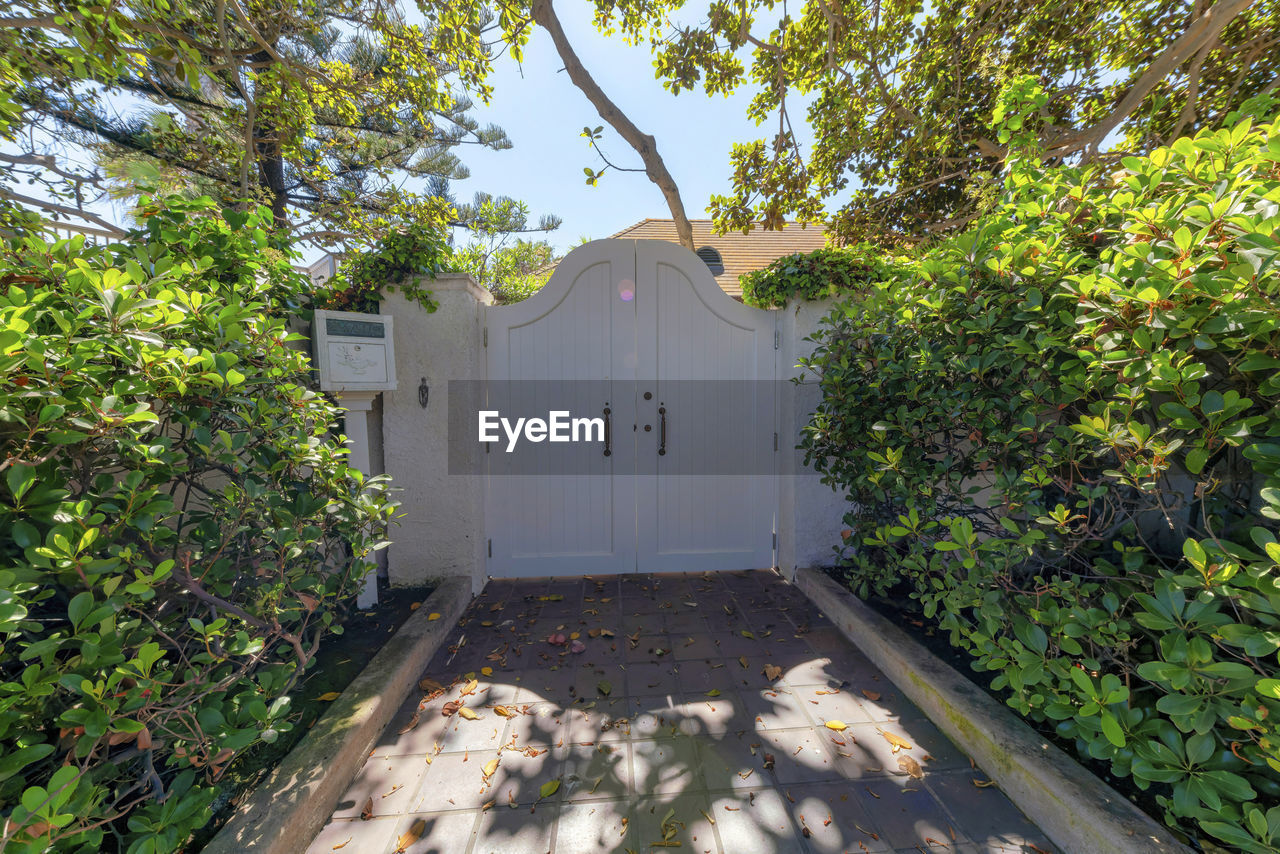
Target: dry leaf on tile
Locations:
point(898, 742)
point(912, 767)
point(410, 836)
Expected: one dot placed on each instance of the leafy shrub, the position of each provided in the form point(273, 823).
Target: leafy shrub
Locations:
point(1060, 431)
point(399, 261)
point(178, 527)
point(809, 276)
point(511, 273)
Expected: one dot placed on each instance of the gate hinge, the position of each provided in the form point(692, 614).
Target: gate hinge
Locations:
point(775, 443)
point(486, 336)
point(491, 548)
point(777, 340)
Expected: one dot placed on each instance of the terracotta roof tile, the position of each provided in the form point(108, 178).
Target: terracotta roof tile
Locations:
point(740, 252)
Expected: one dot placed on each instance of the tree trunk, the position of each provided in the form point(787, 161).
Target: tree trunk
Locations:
point(646, 146)
point(267, 152)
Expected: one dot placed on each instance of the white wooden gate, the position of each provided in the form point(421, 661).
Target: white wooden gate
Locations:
point(665, 347)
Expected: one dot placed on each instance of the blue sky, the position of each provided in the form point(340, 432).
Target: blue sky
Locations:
point(544, 113)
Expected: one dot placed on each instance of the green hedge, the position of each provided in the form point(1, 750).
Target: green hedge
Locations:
point(178, 526)
point(1061, 432)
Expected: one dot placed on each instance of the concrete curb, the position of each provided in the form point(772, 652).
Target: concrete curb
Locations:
point(285, 812)
point(1078, 812)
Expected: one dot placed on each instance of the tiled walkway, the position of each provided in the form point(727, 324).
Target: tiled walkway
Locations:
point(704, 713)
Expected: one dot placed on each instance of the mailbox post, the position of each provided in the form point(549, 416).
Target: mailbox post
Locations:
point(355, 354)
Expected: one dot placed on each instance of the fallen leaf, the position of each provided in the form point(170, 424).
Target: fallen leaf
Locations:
point(772, 672)
point(415, 606)
point(433, 616)
point(577, 646)
point(606, 633)
point(838, 726)
point(486, 671)
point(410, 836)
point(413, 722)
point(490, 767)
point(574, 635)
point(548, 789)
point(367, 812)
point(982, 784)
point(342, 845)
point(604, 687)
point(329, 696)
point(468, 714)
point(714, 692)
point(503, 711)
point(870, 695)
point(912, 767)
point(747, 634)
point(451, 708)
point(593, 633)
point(469, 688)
point(898, 742)
point(557, 639)
point(742, 659)
point(429, 684)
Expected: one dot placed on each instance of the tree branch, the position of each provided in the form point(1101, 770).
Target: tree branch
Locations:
point(646, 146)
point(1202, 31)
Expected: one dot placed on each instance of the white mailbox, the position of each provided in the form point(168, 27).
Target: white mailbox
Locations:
point(354, 351)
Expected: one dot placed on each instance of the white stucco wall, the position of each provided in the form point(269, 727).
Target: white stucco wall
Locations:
point(441, 526)
point(811, 513)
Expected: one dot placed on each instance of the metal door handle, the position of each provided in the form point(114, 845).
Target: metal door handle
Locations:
point(608, 432)
point(662, 431)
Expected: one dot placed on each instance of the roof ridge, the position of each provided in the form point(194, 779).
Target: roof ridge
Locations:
point(648, 219)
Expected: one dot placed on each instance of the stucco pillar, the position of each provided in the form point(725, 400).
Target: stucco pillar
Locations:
point(356, 405)
point(440, 526)
point(811, 513)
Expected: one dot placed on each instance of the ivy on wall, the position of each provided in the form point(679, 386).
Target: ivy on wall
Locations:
point(811, 276)
point(399, 262)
